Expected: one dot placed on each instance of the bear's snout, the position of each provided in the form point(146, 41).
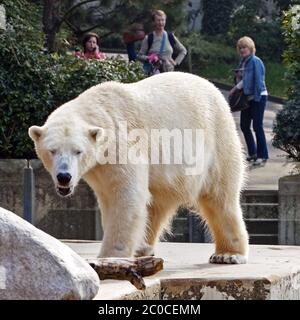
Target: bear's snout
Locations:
point(64, 178)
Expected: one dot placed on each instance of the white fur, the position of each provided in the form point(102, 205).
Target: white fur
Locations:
point(138, 201)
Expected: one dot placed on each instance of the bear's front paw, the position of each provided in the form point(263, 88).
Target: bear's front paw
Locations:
point(228, 258)
point(144, 251)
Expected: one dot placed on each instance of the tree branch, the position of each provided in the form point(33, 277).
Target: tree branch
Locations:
point(74, 8)
point(132, 270)
point(72, 26)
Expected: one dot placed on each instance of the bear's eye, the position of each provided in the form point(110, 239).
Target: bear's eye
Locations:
point(52, 151)
point(78, 152)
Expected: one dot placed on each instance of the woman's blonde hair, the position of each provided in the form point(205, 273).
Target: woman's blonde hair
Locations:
point(159, 13)
point(246, 42)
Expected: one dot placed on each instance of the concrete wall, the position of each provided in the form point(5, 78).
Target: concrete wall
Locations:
point(270, 219)
point(77, 217)
point(289, 210)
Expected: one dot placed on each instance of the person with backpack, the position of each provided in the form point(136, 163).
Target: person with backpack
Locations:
point(158, 47)
point(134, 33)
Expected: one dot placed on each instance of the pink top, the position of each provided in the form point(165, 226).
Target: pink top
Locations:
point(90, 55)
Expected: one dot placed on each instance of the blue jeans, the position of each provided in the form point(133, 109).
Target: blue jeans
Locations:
point(131, 51)
point(255, 113)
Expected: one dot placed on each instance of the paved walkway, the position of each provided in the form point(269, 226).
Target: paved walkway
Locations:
point(266, 177)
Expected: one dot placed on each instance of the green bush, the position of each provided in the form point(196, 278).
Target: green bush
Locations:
point(287, 124)
point(31, 91)
point(216, 21)
point(23, 75)
point(245, 21)
point(73, 76)
point(205, 53)
point(34, 83)
point(215, 60)
point(227, 21)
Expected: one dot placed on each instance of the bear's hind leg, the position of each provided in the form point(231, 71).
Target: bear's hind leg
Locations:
point(228, 229)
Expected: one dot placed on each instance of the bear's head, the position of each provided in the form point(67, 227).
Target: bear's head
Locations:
point(67, 152)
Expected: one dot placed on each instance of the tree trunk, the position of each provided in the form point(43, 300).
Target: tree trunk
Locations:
point(132, 270)
point(51, 23)
point(50, 41)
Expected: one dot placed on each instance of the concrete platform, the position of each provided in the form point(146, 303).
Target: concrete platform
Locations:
point(273, 272)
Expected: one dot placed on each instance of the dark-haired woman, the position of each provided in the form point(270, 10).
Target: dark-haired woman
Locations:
point(91, 44)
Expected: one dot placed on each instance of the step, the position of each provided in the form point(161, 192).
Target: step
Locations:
point(263, 239)
point(259, 196)
point(262, 231)
point(260, 210)
point(260, 218)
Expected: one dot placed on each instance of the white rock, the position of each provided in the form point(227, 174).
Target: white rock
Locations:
point(34, 265)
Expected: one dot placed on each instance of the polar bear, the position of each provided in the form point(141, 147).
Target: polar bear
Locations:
point(137, 200)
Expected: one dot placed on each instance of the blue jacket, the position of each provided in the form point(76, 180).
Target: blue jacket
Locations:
point(254, 77)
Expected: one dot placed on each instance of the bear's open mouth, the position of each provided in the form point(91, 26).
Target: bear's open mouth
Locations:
point(64, 191)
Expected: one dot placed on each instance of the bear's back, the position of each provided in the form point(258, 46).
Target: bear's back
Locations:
point(178, 100)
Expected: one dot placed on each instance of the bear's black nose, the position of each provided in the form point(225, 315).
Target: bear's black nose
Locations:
point(64, 178)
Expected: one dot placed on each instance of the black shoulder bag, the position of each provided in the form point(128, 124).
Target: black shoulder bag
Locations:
point(238, 101)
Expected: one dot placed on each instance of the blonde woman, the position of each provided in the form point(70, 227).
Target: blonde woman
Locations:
point(251, 78)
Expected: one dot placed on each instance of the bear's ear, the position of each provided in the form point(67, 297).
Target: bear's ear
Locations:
point(95, 132)
point(35, 132)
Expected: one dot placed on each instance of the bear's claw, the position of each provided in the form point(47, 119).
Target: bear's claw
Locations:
point(144, 251)
point(228, 258)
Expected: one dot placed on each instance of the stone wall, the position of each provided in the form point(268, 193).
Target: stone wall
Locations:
point(289, 210)
point(77, 217)
point(11, 185)
point(272, 216)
